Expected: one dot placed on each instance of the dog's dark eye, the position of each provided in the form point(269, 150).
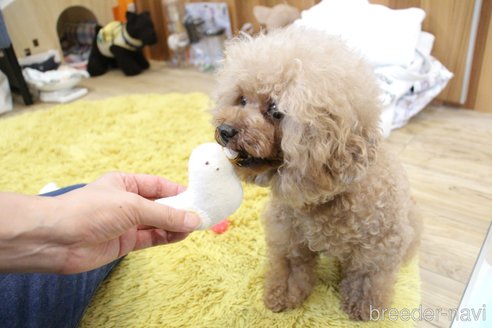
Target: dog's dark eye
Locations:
point(242, 101)
point(273, 111)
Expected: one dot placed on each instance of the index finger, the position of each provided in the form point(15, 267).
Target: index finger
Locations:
point(151, 186)
point(149, 213)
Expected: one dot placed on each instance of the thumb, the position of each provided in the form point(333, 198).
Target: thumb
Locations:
point(165, 217)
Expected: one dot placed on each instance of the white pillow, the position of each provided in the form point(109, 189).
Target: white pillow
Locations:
point(383, 35)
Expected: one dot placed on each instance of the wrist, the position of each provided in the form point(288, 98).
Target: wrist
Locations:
point(27, 242)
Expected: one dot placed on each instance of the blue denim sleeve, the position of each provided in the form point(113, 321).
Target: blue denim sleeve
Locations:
point(29, 300)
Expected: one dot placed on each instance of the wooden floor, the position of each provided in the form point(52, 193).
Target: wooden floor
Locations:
point(448, 156)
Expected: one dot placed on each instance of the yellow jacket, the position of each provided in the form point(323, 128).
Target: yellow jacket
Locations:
point(115, 33)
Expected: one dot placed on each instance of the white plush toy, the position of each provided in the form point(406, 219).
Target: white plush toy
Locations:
point(214, 191)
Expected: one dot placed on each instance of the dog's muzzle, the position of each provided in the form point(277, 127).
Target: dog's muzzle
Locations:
point(223, 134)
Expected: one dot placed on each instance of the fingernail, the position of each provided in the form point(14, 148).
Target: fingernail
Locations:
point(191, 221)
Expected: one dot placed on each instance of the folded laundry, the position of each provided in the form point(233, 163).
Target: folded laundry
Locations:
point(420, 94)
point(63, 78)
point(63, 96)
point(406, 91)
point(56, 85)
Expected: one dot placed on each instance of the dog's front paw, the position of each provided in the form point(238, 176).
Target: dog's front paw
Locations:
point(275, 296)
point(284, 295)
point(363, 296)
point(359, 309)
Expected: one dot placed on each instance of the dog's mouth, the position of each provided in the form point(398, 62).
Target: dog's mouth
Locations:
point(242, 158)
point(233, 156)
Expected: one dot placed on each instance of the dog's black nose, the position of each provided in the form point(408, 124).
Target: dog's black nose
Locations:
point(226, 132)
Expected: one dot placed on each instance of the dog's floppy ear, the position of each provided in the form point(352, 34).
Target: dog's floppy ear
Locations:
point(357, 151)
point(325, 148)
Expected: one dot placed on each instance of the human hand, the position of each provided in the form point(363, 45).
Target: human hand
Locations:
point(113, 216)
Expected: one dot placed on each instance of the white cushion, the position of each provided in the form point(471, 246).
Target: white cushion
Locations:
point(383, 35)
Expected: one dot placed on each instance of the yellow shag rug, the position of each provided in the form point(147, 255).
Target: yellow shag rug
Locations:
point(208, 280)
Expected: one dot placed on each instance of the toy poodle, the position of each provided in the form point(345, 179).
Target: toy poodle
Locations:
point(299, 112)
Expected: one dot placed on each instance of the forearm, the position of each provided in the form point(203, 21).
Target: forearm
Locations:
point(27, 242)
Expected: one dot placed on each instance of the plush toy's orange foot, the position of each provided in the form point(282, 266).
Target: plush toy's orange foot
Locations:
point(220, 227)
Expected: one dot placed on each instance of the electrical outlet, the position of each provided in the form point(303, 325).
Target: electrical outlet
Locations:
point(27, 52)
